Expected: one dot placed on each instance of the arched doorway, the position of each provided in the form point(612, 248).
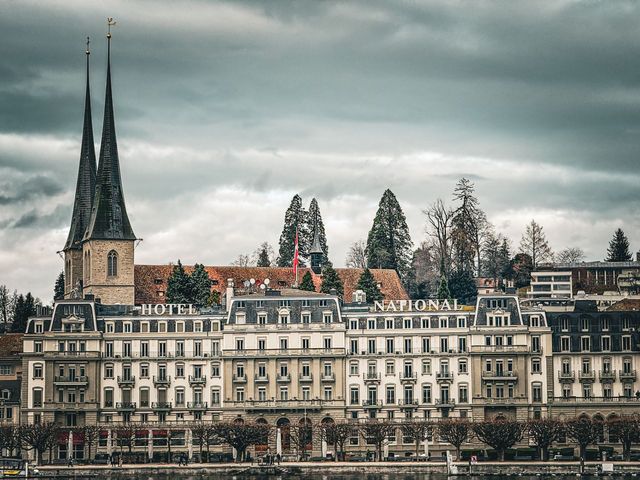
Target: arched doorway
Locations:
point(284, 427)
point(263, 444)
point(305, 436)
point(598, 420)
point(611, 420)
point(329, 438)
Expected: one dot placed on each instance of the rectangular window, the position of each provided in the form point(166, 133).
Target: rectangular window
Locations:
point(626, 342)
point(426, 344)
point(585, 344)
point(462, 366)
point(564, 344)
point(426, 394)
point(354, 396)
point(606, 344)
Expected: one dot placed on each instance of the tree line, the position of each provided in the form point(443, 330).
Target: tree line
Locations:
point(15, 309)
point(499, 434)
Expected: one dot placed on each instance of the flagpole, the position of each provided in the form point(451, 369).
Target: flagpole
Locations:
point(296, 257)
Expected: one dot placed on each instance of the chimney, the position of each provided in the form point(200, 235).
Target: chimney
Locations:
point(229, 292)
point(359, 297)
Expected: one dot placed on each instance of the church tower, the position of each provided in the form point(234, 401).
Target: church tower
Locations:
point(316, 252)
point(85, 188)
point(109, 239)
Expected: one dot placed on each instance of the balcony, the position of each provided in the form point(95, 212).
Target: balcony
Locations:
point(444, 376)
point(292, 405)
point(410, 403)
point(629, 376)
point(587, 377)
point(502, 401)
point(279, 352)
point(567, 377)
point(239, 378)
point(197, 380)
point(500, 349)
point(161, 405)
point(162, 380)
point(306, 378)
point(445, 403)
point(71, 380)
point(126, 406)
point(283, 378)
point(197, 405)
point(372, 403)
point(408, 377)
point(500, 376)
point(261, 378)
point(328, 377)
point(608, 376)
point(126, 381)
point(371, 377)
point(596, 400)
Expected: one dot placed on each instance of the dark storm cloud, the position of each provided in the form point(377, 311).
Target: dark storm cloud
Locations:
point(225, 109)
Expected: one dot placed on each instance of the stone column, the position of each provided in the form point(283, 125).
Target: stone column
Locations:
point(324, 447)
point(189, 435)
point(70, 445)
point(150, 444)
point(278, 441)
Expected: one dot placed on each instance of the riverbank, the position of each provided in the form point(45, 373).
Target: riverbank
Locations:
point(328, 468)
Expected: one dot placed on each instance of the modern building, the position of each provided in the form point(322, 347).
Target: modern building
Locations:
point(550, 284)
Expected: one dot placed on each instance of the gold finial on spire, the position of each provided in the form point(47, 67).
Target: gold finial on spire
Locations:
point(110, 23)
point(88, 52)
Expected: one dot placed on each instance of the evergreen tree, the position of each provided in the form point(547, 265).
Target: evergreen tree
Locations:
point(389, 243)
point(618, 250)
point(463, 286)
point(263, 255)
point(522, 266)
point(467, 225)
point(178, 285)
point(367, 283)
point(58, 289)
point(331, 279)
point(314, 220)
point(443, 289)
point(5, 305)
point(307, 283)
point(25, 307)
point(200, 288)
point(294, 218)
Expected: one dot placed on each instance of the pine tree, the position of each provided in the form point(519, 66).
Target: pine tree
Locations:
point(443, 289)
point(5, 304)
point(263, 255)
point(367, 283)
point(534, 243)
point(389, 243)
point(307, 283)
point(25, 307)
point(330, 280)
point(467, 224)
point(58, 289)
point(294, 218)
point(178, 285)
point(618, 250)
point(463, 286)
point(315, 221)
point(200, 286)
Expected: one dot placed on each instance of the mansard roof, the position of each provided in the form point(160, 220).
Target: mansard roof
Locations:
point(109, 220)
point(86, 183)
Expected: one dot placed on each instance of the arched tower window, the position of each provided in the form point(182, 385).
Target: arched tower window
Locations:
point(112, 263)
point(87, 267)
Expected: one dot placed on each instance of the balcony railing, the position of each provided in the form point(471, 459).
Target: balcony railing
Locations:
point(601, 400)
point(315, 404)
point(161, 405)
point(587, 376)
point(261, 378)
point(567, 377)
point(412, 403)
point(197, 380)
point(126, 381)
point(444, 376)
point(71, 380)
point(328, 377)
point(239, 378)
point(197, 405)
point(162, 380)
point(408, 377)
point(306, 378)
point(371, 377)
point(445, 403)
point(372, 403)
point(500, 376)
point(283, 378)
point(629, 375)
point(278, 352)
point(608, 376)
point(500, 349)
point(126, 405)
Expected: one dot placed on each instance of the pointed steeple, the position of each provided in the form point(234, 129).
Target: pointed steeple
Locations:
point(86, 183)
point(109, 220)
point(316, 249)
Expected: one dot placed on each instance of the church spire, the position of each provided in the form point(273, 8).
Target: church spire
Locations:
point(109, 220)
point(316, 249)
point(86, 183)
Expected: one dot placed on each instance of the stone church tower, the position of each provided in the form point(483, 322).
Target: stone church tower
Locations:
point(99, 250)
point(85, 189)
point(109, 240)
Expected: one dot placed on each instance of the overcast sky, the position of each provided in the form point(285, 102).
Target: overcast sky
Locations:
point(225, 110)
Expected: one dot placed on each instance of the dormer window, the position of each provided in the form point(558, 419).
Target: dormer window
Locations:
point(112, 263)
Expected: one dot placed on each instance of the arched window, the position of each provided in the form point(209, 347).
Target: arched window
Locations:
point(87, 267)
point(112, 263)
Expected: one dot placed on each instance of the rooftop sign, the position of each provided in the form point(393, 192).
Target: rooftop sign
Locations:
point(416, 305)
point(168, 309)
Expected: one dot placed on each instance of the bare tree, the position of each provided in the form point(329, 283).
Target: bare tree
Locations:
point(264, 256)
point(337, 434)
point(205, 435)
point(126, 435)
point(454, 431)
point(5, 304)
point(499, 434)
point(240, 435)
point(91, 434)
point(543, 432)
point(36, 437)
point(534, 243)
point(584, 431)
point(570, 255)
point(627, 430)
point(357, 257)
point(242, 260)
point(418, 430)
point(301, 436)
point(377, 431)
point(9, 437)
point(439, 228)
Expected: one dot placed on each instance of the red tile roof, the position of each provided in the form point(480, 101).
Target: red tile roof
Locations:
point(152, 279)
point(625, 305)
point(10, 345)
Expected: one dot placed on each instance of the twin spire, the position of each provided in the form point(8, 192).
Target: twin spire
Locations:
point(99, 211)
